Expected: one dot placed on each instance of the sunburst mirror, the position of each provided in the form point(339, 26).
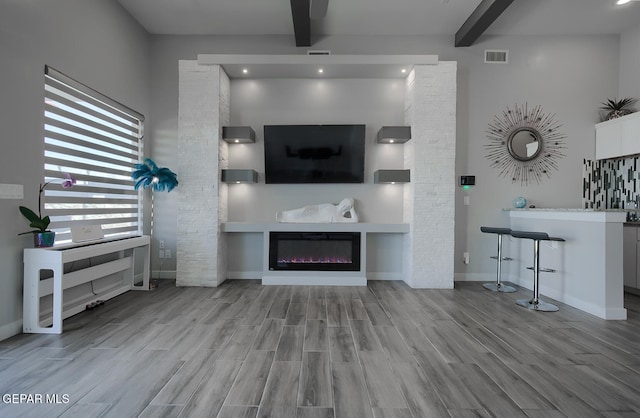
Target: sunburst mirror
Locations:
point(525, 144)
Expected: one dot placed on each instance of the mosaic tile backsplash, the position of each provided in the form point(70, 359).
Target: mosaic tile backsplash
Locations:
point(611, 184)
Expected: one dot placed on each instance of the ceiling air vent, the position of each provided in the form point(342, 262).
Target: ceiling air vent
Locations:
point(493, 56)
point(318, 52)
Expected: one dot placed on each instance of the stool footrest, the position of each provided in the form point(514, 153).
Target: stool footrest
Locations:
point(545, 270)
point(495, 257)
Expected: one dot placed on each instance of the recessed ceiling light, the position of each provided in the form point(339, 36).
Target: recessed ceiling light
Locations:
point(391, 141)
point(621, 2)
point(245, 71)
point(404, 70)
point(237, 141)
point(320, 70)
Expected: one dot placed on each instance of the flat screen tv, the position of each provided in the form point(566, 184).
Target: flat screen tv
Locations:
point(314, 153)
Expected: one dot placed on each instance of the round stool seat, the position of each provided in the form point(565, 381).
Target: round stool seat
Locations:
point(494, 230)
point(537, 236)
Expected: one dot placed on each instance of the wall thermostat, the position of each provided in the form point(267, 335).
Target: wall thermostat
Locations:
point(467, 180)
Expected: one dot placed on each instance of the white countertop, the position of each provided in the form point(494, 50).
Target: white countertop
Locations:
point(568, 214)
point(569, 210)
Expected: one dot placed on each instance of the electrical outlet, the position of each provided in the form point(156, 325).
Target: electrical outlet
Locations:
point(167, 253)
point(161, 254)
point(465, 257)
point(162, 245)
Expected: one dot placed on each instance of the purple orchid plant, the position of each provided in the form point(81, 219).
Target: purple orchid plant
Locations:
point(36, 220)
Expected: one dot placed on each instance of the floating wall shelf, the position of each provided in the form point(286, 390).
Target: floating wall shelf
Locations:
point(239, 176)
point(394, 134)
point(391, 176)
point(238, 134)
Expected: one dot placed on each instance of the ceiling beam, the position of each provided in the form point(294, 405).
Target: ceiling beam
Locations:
point(301, 22)
point(481, 18)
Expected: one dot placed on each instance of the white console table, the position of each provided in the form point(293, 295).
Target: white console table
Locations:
point(54, 259)
point(326, 278)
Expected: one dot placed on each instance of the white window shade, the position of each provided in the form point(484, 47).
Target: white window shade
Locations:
point(97, 141)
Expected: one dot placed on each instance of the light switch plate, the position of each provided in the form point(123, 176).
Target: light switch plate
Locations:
point(11, 191)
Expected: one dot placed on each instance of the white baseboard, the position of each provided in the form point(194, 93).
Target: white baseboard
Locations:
point(9, 330)
point(474, 277)
point(163, 274)
point(384, 276)
point(244, 275)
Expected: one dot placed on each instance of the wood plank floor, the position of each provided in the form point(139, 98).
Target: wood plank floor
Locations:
point(246, 350)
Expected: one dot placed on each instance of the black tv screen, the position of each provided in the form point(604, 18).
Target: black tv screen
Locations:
point(314, 153)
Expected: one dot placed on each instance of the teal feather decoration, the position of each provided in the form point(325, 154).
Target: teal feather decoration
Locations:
point(148, 174)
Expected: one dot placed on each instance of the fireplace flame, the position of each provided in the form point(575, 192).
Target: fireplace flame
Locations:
point(314, 260)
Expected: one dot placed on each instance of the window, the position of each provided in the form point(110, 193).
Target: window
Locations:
point(97, 140)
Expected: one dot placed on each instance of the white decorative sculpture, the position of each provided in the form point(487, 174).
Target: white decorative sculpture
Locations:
point(343, 212)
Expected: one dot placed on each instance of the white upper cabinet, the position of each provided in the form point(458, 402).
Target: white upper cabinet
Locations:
point(618, 137)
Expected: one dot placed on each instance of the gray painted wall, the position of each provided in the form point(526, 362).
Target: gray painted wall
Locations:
point(630, 64)
point(95, 42)
point(568, 76)
point(307, 101)
point(373, 102)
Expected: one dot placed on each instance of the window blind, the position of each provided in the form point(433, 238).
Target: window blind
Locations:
point(97, 141)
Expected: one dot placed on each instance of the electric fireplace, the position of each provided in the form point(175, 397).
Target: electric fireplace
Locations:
point(316, 251)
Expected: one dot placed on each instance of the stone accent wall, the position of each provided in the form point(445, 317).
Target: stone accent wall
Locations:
point(429, 206)
point(203, 104)
point(223, 162)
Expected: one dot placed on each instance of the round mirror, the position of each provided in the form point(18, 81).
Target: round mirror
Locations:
point(524, 144)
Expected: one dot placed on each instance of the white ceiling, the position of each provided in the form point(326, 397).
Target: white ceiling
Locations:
point(372, 17)
point(380, 17)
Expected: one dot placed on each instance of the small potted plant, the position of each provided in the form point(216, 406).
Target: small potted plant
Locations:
point(42, 237)
point(615, 108)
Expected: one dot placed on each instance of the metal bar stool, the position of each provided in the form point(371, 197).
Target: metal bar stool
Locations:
point(498, 286)
point(535, 303)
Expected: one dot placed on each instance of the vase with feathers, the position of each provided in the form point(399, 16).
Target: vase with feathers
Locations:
point(148, 175)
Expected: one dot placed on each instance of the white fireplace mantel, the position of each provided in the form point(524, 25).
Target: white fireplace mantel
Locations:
point(315, 227)
point(317, 278)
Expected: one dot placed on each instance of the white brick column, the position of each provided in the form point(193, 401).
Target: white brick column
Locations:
point(430, 109)
point(203, 107)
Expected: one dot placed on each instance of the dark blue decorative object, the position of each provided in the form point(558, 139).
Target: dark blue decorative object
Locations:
point(149, 175)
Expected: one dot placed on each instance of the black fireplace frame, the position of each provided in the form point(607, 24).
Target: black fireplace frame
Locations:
point(353, 237)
